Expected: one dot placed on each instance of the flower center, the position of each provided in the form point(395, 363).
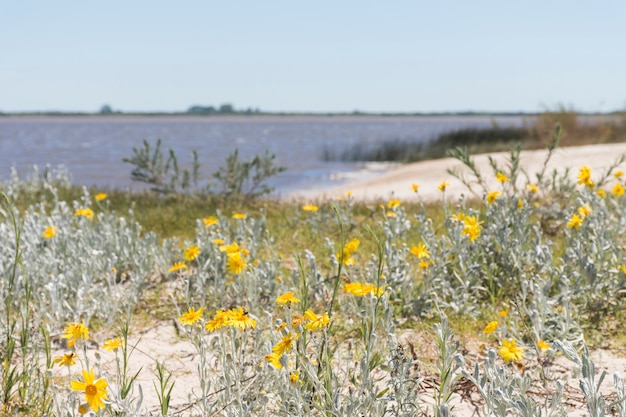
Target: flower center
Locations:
point(91, 390)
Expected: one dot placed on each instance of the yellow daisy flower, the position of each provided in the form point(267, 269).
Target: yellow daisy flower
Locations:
point(191, 252)
point(584, 176)
point(239, 319)
point(235, 263)
point(509, 351)
point(492, 196)
point(210, 221)
point(95, 390)
point(100, 196)
point(288, 297)
point(49, 232)
point(75, 331)
point(84, 212)
point(286, 344)
point(218, 321)
point(575, 222)
point(490, 327)
point(177, 267)
point(316, 322)
point(501, 177)
point(112, 344)
point(543, 345)
point(420, 251)
point(68, 359)
point(191, 316)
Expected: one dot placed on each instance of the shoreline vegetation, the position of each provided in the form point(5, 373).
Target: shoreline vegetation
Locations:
point(535, 134)
point(485, 306)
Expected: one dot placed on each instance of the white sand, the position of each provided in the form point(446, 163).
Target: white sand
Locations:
point(428, 175)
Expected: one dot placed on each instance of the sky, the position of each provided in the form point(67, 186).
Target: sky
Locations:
point(317, 56)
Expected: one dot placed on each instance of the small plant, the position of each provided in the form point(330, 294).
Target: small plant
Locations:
point(245, 178)
point(235, 179)
point(163, 174)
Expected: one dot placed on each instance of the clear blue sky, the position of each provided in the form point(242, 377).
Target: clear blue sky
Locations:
point(319, 55)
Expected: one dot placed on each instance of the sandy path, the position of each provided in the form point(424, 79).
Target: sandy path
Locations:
point(428, 175)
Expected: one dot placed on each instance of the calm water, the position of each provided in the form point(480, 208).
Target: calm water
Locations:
point(93, 147)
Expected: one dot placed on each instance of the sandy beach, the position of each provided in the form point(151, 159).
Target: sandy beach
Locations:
point(397, 182)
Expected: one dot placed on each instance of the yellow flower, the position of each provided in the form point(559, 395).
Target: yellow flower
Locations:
point(210, 221)
point(509, 351)
point(49, 232)
point(520, 203)
point(425, 264)
point(459, 217)
point(218, 321)
point(622, 268)
point(75, 331)
point(490, 327)
point(191, 252)
point(601, 193)
point(348, 249)
point(100, 196)
point(232, 248)
point(584, 176)
point(316, 322)
point(501, 177)
point(503, 313)
point(218, 241)
point(532, 187)
point(543, 345)
point(112, 344)
point(309, 207)
point(294, 377)
point(84, 212)
point(619, 173)
point(274, 360)
point(415, 187)
point(286, 344)
point(584, 211)
point(391, 214)
point(393, 203)
point(297, 320)
point(177, 267)
point(239, 319)
point(442, 187)
point(95, 391)
point(68, 359)
point(420, 251)
point(358, 289)
point(235, 263)
point(288, 297)
point(191, 316)
point(575, 222)
point(492, 196)
point(618, 190)
point(471, 228)
point(239, 216)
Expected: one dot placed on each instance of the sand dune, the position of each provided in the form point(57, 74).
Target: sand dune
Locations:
point(397, 182)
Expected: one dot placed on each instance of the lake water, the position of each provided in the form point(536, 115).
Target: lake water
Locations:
point(92, 147)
